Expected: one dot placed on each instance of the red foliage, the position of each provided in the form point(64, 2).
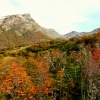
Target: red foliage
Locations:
point(16, 82)
point(47, 82)
point(93, 70)
point(96, 56)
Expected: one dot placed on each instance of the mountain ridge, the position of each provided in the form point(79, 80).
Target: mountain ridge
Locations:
point(79, 34)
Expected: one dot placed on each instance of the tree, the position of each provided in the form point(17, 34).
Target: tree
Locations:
point(91, 76)
point(16, 83)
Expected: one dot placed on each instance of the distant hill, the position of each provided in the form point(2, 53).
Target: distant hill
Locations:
point(79, 34)
point(73, 34)
point(95, 30)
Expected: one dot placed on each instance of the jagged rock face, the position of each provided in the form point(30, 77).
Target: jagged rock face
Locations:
point(25, 22)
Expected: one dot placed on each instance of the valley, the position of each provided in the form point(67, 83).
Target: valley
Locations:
point(36, 66)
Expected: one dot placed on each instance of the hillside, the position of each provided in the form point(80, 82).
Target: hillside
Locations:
point(12, 37)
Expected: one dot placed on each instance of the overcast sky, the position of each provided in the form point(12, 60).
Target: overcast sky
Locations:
point(62, 15)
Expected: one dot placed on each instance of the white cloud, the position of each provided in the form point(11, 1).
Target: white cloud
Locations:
point(58, 14)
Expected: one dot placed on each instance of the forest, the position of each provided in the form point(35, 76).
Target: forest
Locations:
point(52, 70)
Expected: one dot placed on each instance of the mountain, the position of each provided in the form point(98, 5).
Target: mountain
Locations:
point(25, 22)
point(79, 34)
point(95, 30)
point(21, 28)
point(73, 34)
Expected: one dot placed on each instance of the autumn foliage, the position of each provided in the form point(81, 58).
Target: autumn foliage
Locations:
point(55, 70)
point(16, 83)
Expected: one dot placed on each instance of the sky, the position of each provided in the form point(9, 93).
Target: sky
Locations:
point(62, 15)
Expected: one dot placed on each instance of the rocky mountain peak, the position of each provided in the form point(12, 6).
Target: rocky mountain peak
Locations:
point(22, 20)
point(26, 15)
point(18, 18)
